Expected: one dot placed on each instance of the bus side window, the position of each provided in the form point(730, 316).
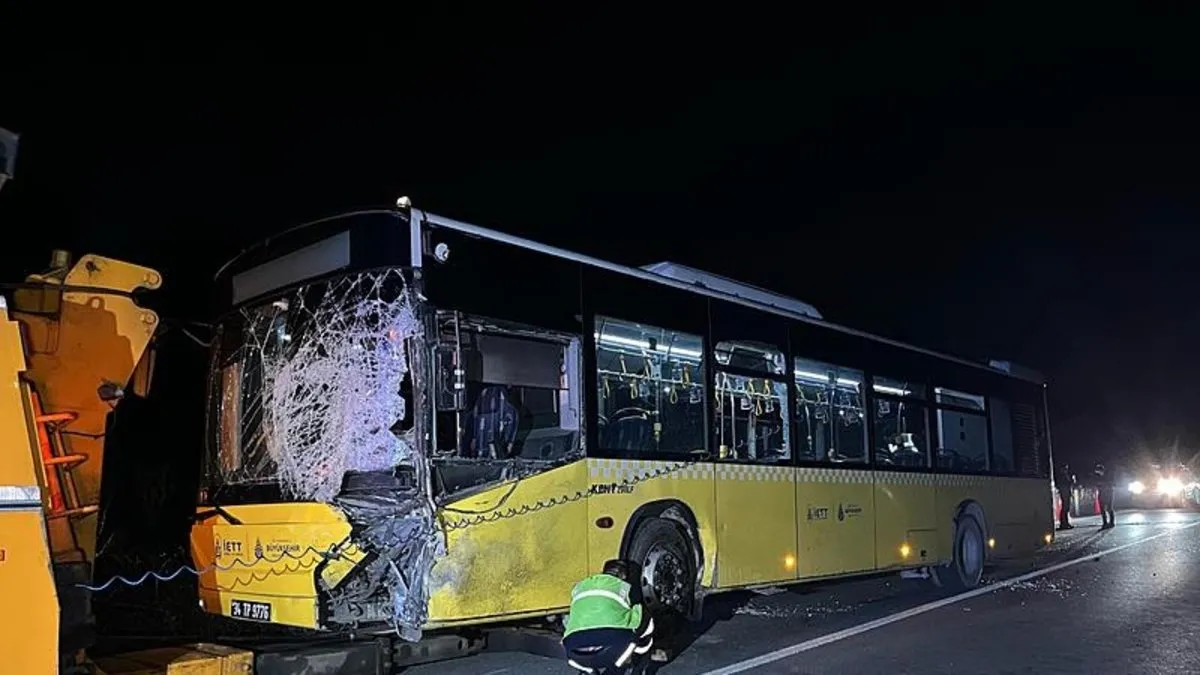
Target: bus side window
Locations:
point(830, 413)
point(751, 417)
point(962, 441)
point(650, 388)
point(900, 423)
point(521, 394)
point(1003, 455)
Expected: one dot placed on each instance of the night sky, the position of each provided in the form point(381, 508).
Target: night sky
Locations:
point(982, 189)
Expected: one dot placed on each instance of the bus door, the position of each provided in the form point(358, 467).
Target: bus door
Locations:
point(755, 482)
point(835, 500)
point(906, 524)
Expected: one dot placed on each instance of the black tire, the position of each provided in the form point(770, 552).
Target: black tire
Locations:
point(965, 570)
point(666, 565)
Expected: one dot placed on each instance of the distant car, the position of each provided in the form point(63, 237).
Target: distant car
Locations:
point(1154, 487)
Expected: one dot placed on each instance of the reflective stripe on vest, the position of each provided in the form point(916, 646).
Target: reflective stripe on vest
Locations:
point(600, 593)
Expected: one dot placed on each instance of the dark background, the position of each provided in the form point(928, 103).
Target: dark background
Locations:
point(995, 187)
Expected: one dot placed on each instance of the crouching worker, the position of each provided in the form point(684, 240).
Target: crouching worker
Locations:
point(606, 631)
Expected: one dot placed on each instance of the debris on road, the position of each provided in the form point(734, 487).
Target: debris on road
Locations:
point(1059, 587)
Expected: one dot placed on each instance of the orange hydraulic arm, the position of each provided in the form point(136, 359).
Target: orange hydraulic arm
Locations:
point(85, 341)
point(73, 340)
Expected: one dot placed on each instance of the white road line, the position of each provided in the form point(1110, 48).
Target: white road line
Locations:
point(808, 645)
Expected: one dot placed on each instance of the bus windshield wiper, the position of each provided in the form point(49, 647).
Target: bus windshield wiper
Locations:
point(217, 510)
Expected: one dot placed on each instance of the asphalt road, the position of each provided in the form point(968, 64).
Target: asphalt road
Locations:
point(1096, 610)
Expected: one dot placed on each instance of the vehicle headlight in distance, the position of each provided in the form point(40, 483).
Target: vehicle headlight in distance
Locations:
point(1136, 487)
point(1170, 486)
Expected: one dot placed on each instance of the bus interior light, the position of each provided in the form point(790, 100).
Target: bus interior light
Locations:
point(645, 346)
point(848, 382)
point(824, 378)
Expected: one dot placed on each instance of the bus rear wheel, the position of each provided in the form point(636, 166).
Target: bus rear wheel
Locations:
point(965, 571)
point(665, 559)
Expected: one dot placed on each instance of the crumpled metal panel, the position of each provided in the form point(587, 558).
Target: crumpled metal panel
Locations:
point(332, 370)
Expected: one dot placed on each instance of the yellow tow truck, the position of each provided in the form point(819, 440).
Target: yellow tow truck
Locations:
point(73, 342)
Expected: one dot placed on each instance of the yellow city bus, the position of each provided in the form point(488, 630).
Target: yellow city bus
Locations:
point(418, 424)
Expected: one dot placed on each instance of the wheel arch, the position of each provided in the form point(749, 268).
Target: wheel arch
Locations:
point(967, 508)
point(681, 514)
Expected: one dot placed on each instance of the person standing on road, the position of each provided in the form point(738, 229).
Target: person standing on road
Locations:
point(1104, 485)
point(1065, 483)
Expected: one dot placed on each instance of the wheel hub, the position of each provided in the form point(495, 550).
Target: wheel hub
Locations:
point(664, 578)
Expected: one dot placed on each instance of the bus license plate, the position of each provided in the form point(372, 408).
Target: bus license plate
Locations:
point(255, 611)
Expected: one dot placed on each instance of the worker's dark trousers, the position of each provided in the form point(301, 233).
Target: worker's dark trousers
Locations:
point(1064, 512)
point(1106, 506)
point(599, 649)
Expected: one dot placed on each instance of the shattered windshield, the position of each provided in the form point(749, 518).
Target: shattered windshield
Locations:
point(311, 385)
point(237, 454)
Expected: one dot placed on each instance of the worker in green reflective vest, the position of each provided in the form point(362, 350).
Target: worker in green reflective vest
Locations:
point(607, 632)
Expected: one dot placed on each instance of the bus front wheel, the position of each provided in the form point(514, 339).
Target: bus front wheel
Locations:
point(965, 570)
point(662, 552)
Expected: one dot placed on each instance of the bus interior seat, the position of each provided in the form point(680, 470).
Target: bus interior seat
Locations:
point(955, 461)
point(629, 429)
point(548, 444)
point(905, 457)
point(492, 424)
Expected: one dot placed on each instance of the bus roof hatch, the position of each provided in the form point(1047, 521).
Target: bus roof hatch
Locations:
point(1017, 370)
point(720, 284)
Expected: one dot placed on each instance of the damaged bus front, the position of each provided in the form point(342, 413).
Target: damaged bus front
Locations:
point(355, 430)
point(315, 509)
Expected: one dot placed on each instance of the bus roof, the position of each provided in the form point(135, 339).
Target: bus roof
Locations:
point(665, 273)
point(672, 274)
point(716, 282)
